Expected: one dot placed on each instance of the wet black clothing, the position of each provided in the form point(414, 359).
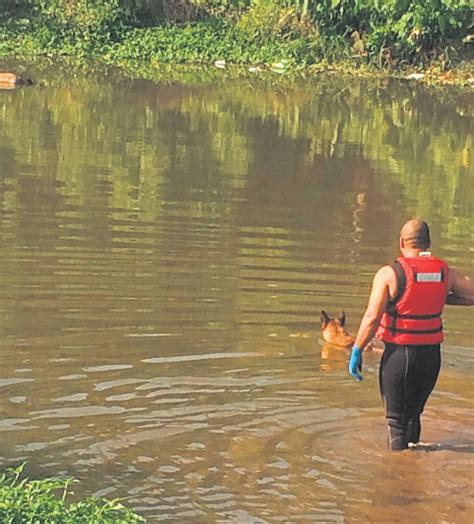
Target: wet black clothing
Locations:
point(407, 376)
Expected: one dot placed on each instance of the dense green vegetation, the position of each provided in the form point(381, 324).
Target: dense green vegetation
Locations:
point(45, 501)
point(293, 33)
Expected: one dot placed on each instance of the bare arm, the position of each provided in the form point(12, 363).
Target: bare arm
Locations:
point(461, 289)
point(378, 301)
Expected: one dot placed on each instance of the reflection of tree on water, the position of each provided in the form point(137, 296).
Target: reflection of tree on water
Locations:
point(406, 135)
point(276, 174)
point(358, 216)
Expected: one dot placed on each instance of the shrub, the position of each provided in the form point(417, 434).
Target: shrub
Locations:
point(392, 32)
point(405, 28)
point(44, 501)
point(83, 18)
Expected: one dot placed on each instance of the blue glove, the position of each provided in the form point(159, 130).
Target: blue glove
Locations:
point(355, 363)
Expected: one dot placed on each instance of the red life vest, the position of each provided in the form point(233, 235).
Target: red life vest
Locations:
point(415, 317)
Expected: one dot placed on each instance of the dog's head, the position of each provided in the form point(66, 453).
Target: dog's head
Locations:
point(334, 331)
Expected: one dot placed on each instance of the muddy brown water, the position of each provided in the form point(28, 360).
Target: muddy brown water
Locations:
point(165, 252)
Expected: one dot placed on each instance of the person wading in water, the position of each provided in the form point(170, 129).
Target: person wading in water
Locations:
point(404, 311)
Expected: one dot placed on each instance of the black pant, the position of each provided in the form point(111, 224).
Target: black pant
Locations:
point(407, 377)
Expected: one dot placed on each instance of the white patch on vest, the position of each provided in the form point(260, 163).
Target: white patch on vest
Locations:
point(429, 277)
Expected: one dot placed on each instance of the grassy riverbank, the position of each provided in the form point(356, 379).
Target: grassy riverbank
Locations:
point(47, 500)
point(283, 37)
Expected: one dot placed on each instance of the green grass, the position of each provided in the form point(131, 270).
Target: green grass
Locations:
point(23, 500)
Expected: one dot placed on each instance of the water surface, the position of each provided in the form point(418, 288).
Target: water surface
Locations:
point(166, 251)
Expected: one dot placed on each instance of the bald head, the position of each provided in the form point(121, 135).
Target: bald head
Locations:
point(416, 234)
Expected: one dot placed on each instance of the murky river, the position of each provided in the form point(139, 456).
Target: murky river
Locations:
point(165, 253)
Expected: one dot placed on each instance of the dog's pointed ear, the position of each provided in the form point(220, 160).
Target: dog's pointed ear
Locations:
point(341, 318)
point(324, 317)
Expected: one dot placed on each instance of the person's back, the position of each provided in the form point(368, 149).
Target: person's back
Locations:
point(405, 308)
point(414, 316)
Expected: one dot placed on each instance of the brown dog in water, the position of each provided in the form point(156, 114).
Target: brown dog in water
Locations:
point(334, 331)
point(336, 334)
point(11, 80)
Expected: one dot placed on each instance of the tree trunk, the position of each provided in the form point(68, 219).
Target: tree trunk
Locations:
point(156, 11)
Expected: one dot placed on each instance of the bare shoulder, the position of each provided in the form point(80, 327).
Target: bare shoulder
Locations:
point(385, 275)
point(385, 282)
